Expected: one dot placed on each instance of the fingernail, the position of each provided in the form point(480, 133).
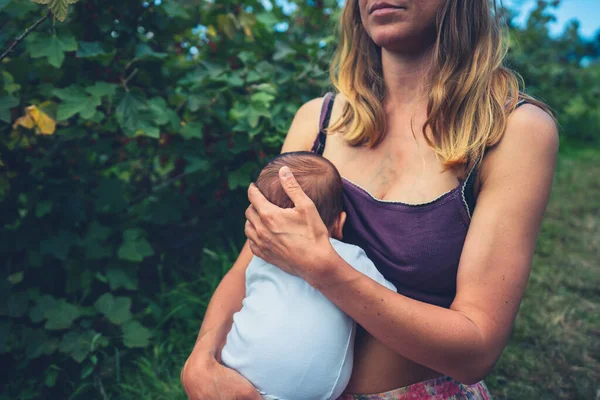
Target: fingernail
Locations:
point(285, 172)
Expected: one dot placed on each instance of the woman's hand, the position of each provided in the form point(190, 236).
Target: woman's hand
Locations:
point(294, 239)
point(204, 378)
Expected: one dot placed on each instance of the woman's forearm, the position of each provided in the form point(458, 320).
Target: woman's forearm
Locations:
point(444, 340)
point(225, 302)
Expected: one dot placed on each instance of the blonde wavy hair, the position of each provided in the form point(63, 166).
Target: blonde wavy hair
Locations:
point(471, 92)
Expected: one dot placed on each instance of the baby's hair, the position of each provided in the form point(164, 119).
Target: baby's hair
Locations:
point(316, 175)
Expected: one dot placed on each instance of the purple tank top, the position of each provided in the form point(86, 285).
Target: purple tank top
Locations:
point(416, 247)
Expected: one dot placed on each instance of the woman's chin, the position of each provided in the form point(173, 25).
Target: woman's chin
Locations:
point(398, 42)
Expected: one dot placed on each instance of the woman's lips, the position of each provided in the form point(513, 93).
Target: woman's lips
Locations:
point(383, 8)
point(386, 11)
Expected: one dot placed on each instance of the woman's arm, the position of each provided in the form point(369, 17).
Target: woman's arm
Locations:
point(202, 372)
point(466, 340)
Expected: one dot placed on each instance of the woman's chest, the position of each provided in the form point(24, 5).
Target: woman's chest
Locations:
point(396, 170)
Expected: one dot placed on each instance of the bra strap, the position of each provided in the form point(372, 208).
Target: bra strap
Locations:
point(326, 108)
point(520, 103)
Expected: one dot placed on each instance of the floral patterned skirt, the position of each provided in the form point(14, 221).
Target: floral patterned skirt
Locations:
point(442, 388)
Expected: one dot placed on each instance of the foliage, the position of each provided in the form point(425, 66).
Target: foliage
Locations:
point(129, 134)
point(562, 71)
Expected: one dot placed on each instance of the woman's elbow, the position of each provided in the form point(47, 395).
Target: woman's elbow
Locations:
point(474, 370)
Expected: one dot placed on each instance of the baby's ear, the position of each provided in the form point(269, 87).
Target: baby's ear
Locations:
point(338, 226)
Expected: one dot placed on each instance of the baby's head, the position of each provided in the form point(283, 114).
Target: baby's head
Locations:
point(319, 179)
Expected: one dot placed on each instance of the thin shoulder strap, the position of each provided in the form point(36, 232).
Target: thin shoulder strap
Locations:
point(520, 103)
point(319, 144)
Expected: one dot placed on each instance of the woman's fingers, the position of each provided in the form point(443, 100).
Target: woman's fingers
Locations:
point(263, 206)
point(293, 189)
point(257, 234)
point(258, 225)
point(255, 249)
point(251, 232)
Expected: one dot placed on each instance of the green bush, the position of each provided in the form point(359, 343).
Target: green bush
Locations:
point(562, 71)
point(129, 134)
point(160, 125)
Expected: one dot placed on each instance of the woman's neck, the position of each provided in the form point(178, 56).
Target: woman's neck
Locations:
point(405, 76)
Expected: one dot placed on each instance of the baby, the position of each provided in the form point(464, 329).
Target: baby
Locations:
point(288, 339)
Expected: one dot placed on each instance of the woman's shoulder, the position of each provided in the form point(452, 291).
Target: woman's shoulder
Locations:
point(530, 140)
point(530, 125)
point(305, 125)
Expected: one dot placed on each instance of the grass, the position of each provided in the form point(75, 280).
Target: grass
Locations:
point(554, 352)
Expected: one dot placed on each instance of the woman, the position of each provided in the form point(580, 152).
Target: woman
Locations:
point(425, 111)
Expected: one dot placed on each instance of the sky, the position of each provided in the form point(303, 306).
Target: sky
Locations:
point(586, 11)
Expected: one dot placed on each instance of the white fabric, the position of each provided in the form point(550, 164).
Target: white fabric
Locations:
point(288, 339)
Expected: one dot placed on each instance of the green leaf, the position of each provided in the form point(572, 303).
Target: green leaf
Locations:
point(135, 335)
point(282, 51)
point(18, 9)
point(234, 80)
point(43, 208)
point(242, 176)
point(214, 69)
point(174, 10)
point(118, 278)
point(51, 376)
point(90, 49)
point(267, 19)
point(196, 101)
point(6, 103)
point(192, 130)
point(95, 248)
point(135, 247)
point(16, 278)
point(144, 51)
point(101, 89)
point(254, 114)
point(4, 3)
point(134, 118)
point(61, 315)
point(161, 112)
point(195, 164)
point(227, 23)
point(59, 245)
point(79, 345)
point(129, 108)
point(86, 371)
point(37, 343)
point(146, 128)
point(53, 47)
point(116, 309)
point(42, 306)
point(9, 83)
point(262, 98)
point(59, 8)
point(76, 100)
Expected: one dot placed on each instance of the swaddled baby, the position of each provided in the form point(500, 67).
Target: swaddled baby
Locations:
point(288, 339)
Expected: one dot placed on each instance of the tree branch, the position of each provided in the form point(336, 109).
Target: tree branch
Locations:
point(126, 81)
point(27, 32)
